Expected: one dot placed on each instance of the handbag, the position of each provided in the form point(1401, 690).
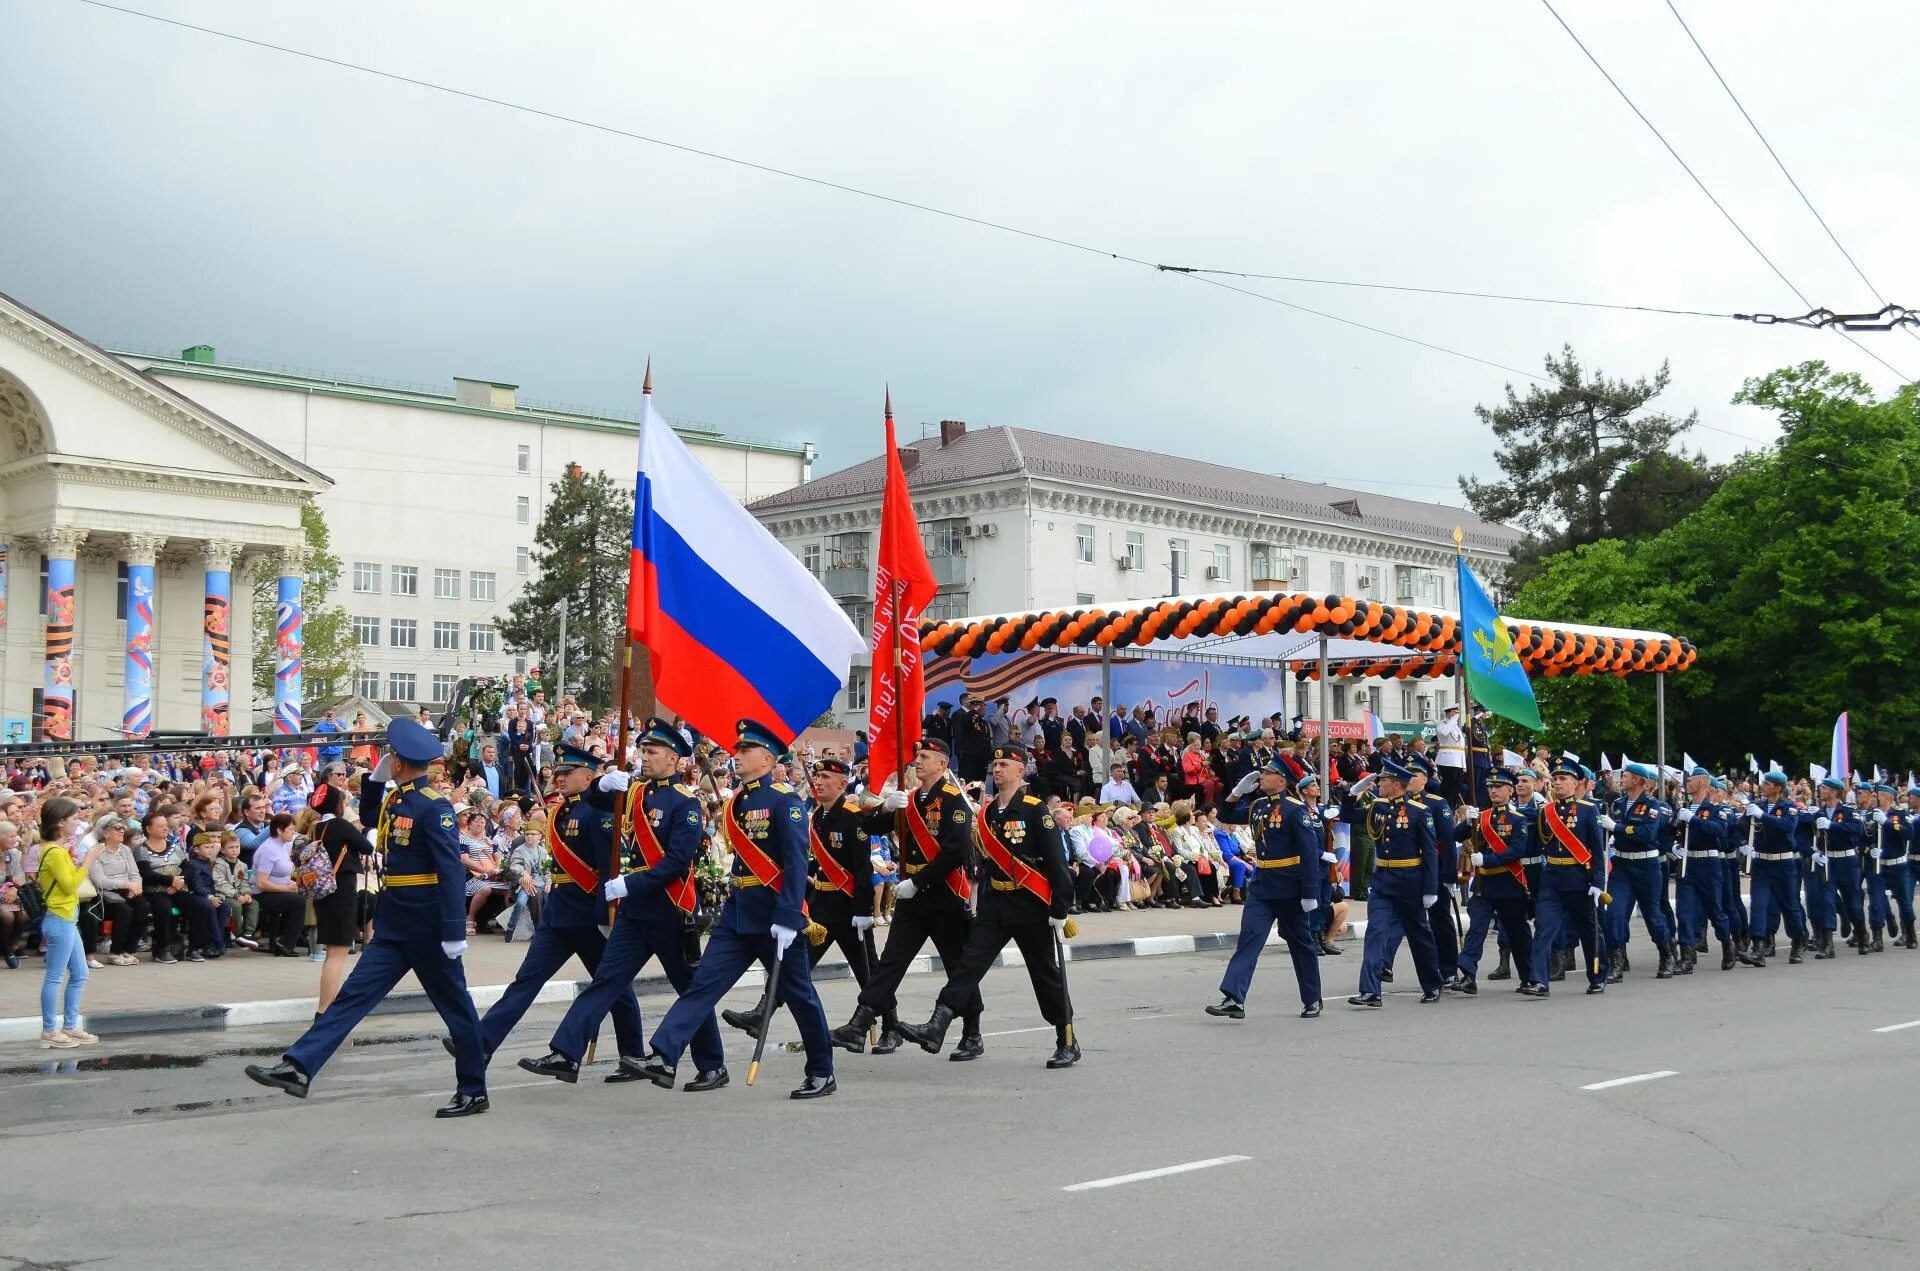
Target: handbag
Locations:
point(33, 901)
point(1139, 893)
point(87, 890)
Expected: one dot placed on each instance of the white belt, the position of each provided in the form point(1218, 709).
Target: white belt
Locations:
point(1533, 860)
point(1837, 855)
point(1777, 856)
point(1635, 856)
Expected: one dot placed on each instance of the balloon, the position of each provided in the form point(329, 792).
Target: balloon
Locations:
point(1101, 847)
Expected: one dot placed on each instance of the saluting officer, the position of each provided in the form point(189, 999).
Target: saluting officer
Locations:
point(1842, 832)
point(766, 826)
point(932, 837)
point(1501, 840)
point(1285, 889)
point(1776, 867)
point(1571, 885)
point(1638, 874)
point(660, 827)
point(1025, 901)
point(420, 925)
point(1406, 884)
point(842, 863)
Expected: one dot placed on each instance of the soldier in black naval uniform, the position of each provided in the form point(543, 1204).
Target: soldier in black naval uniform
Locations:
point(662, 831)
point(420, 926)
point(842, 863)
point(1025, 901)
point(932, 836)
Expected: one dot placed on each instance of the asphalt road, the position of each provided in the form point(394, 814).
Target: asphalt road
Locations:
point(1456, 1135)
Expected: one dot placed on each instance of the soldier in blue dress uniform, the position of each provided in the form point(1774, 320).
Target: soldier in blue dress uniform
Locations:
point(1778, 822)
point(419, 926)
point(1894, 843)
point(1406, 883)
point(1571, 885)
point(1499, 840)
point(766, 826)
point(1842, 834)
point(1641, 825)
point(656, 895)
point(1284, 891)
point(1702, 828)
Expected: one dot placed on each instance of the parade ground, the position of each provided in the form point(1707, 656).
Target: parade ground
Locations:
point(1741, 1119)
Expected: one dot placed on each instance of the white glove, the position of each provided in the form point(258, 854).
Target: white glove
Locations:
point(616, 780)
point(1428, 902)
point(863, 922)
point(1059, 926)
point(782, 941)
point(1753, 810)
point(1330, 813)
point(1607, 822)
point(617, 887)
point(453, 948)
point(1329, 858)
point(904, 889)
point(1467, 812)
point(1822, 823)
point(1593, 892)
point(1683, 815)
point(1819, 860)
point(894, 800)
point(1308, 906)
point(1876, 853)
point(1879, 816)
point(1478, 859)
point(1679, 853)
point(1746, 849)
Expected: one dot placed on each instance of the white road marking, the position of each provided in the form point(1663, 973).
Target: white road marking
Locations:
point(1628, 1081)
point(1162, 1172)
point(50, 1081)
point(1894, 1028)
point(1015, 1032)
point(516, 1085)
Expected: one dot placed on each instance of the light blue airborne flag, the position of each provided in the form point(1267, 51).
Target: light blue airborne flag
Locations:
point(1494, 674)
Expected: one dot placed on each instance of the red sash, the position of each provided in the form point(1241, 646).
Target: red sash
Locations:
point(930, 849)
point(836, 874)
point(1010, 865)
point(746, 849)
point(1564, 836)
point(1499, 844)
point(681, 891)
point(578, 870)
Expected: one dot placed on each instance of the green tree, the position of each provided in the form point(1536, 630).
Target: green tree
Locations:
point(329, 653)
point(580, 556)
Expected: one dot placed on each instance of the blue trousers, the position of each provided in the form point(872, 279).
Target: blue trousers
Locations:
point(633, 942)
point(1388, 919)
point(1643, 883)
point(547, 952)
point(1842, 887)
point(728, 955)
point(1512, 913)
point(1820, 910)
point(1702, 899)
point(1446, 937)
point(1731, 902)
point(1776, 893)
point(1258, 916)
point(1894, 879)
point(380, 967)
point(1558, 912)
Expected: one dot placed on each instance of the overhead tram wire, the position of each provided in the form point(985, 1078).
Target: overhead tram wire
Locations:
point(1711, 198)
point(1781, 163)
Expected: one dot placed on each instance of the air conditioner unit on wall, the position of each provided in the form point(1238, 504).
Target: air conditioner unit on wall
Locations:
point(1213, 573)
point(1126, 564)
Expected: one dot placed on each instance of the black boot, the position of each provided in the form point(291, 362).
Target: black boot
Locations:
point(1616, 966)
point(1823, 946)
point(1683, 959)
point(970, 1047)
point(1793, 952)
point(932, 1035)
point(1727, 955)
point(282, 1076)
point(1505, 970)
point(1747, 953)
point(1910, 942)
point(1386, 975)
point(1846, 928)
point(1665, 971)
point(1066, 1051)
point(748, 1022)
point(1862, 942)
point(1227, 1008)
point(1625, 965)
point(852, 1035)
point(553, 1064)
point(1879, 940)
point(890, 1038)
point(1463, 983)
point(1700, 944)
point(1557, 965)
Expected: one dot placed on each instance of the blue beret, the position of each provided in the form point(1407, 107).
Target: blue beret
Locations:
point(568, 755)
point(1698, 771)
point(1832, 783)
point(753, 733)
point(1775, 776)
point(1307, 779)
point(1388, 768)
point(659, 732)
point(413, 741)
point(1568, 767)
point(1719, 783)
point(1500, 777)
point(1645, 771)
point(1912, 790)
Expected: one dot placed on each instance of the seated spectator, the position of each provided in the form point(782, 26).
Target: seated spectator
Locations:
point(159, 857)
point(483, 865)
point(122, 902)
point(526, 880)
point(13, 875)
point(206, 915)
point(1118, 789)
point(230, 884)
point(283, 906)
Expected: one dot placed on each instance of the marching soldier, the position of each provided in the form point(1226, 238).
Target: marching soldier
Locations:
point(1284, 890)
point(1701, 847)
point(1572, 883)
point(837, 841)
point(1440, 918)
point(1638, 869)
point(1895, 861)
point(930, 828)
point(420, 926)
point(1776, 866)
point(1526, 802)
point(1026, 902)
point(766, 826)
point(1737, 859)
point(1842, 834)
point(657, 896)
point(1406, 884)
point(1501, 840)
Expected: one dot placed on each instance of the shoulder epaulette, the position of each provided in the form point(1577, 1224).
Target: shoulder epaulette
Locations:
point(687, 789)
point(947, 787)
point(850, 804)
point(1294, 798)
point(783, 788)
point(1028, 799)
point(1585, 803)
point(433, 793)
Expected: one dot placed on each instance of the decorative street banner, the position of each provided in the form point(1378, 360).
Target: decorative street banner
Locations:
point(3, 586)
point(1074, 678)
point(138, 720)
point(289, 617)
point(217, 654)
point(56, 707)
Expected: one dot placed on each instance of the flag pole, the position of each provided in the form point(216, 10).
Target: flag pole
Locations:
point(897, 590)
point(1460, 665)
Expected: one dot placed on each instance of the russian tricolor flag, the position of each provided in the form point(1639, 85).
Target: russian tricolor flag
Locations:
point(736, 626)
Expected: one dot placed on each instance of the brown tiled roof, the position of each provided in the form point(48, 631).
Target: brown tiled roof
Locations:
point(985, 453)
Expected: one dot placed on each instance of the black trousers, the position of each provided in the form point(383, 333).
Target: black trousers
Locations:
point(128, 914)
point(947, 928)
point(1083, 883)
point(1036, 944)
point(283, 918)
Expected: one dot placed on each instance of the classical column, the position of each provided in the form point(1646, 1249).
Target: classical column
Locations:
point(216, 659)
point(136, 718)
point(289, 615)
point(59, 545)
point(3, 587)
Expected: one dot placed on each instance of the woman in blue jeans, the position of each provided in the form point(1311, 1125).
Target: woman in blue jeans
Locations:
point(60, 879)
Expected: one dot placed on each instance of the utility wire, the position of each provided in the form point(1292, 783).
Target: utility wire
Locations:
point(1442, 291)
point(1718, 205)
point(1781, 163)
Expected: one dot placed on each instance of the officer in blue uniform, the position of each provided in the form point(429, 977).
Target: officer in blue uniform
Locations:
point(1777, 822)
point(1895, 842)
point(1842, 834)
point(1440, 914)
point(1284, 890)
point(1525, 803)
point(1641, 825)
point(1570, 887)
point(1406, 883)
point(419, 926)
point(1498, 839)
point(1701, 830)
point(761, 920)
point(574, 920)
point(650, 922)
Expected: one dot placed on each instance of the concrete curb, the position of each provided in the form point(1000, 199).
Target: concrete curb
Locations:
point(297, 1010)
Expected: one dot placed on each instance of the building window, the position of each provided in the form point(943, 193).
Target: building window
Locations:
point(523, 510)
point(367, 684)
point(366, 578)
point(810, 557)
point(1406, 703)
point(406, 580)
point(523, 460)
point(120, 595)
point(446, 584)
point(480, 585)
point(1301, 576)
point(946, 538)
point(1413, 583)
point(519, 664)
point(1222, 563)
point(446, 635)
point(1177, 554)
point(480, 637)
point(400, 687)
point(1260, 562)
point(946, 607)
point(857, 689)
point(522, 560)
point(1136, 550)
point(1339, 701)
point(1337, 577)
point(443, 684)
point(1082, 599)
point(1373, 701)
point(366, 632)
point(1083, 544)
point(860, 614)
point(403, 633)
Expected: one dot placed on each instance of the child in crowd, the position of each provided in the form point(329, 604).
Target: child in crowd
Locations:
point(230, 885)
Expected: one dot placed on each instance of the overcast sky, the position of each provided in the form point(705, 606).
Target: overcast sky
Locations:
point(165, 188)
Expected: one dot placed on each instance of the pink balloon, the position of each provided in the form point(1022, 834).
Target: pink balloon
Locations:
point(1101, 847)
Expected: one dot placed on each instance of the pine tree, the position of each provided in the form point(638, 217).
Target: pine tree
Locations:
point(580, 554)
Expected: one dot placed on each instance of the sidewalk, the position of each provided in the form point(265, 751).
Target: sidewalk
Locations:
point(251, 988)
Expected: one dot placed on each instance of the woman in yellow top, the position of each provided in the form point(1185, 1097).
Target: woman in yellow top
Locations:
point(60, 879)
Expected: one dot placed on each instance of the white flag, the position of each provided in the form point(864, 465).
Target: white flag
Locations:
point(1816, 772)
point(1606, 764)
point(1510, 760)
point(1686, 761)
